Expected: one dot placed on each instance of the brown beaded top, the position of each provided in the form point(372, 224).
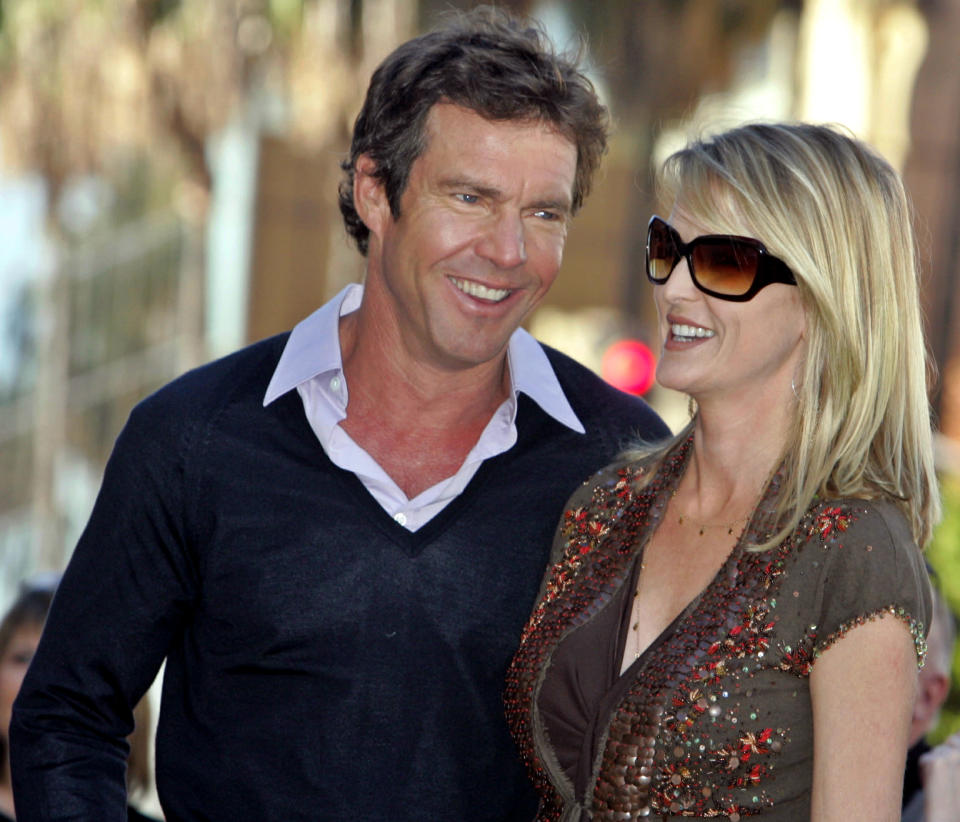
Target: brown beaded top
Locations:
point(714, 719)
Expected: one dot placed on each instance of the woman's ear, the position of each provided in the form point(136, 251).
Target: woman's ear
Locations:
point(369, 195)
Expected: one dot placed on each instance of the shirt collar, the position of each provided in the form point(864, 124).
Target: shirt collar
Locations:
point(531, 373)
point(313, 348)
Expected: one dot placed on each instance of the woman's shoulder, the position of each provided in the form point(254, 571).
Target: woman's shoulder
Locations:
point(637, 469)
point(619, 483)
point(855, 559)
point(611, 488)
point(856, 541)
point(874, 522)
point(612, 499)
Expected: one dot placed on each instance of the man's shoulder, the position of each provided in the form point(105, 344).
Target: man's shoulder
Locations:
point(239, 377)
point(599, 404)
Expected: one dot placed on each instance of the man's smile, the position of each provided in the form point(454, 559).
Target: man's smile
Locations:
point(481, 292)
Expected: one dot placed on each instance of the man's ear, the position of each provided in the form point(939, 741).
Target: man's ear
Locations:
point(369, 195)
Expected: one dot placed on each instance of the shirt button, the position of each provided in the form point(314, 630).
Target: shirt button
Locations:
point(335, 384)
point(401, 518)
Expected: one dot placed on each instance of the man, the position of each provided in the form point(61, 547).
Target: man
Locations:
point(335, 536)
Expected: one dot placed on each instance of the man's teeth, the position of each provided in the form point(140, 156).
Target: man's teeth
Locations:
point(481, 291)
point(689, 331)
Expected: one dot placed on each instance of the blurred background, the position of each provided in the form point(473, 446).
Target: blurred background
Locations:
point(168, 175)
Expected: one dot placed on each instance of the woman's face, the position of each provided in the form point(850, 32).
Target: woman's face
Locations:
point(13, 667)
point(713, 347)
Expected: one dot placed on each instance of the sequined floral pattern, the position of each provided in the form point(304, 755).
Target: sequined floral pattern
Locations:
point(716, 723)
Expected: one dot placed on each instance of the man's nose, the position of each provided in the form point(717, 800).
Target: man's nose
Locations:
point(503, 241)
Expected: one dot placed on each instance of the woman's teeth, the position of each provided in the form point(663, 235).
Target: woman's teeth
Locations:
point(689, 332)
point(481, 291)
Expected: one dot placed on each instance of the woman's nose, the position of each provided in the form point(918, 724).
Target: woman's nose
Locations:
point(679, 284)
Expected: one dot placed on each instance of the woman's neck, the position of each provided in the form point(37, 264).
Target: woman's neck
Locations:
point(735, 452)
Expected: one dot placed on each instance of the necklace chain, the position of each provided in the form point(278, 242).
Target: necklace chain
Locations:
point(703, 527)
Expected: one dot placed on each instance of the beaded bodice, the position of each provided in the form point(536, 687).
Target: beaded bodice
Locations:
point(716, 718)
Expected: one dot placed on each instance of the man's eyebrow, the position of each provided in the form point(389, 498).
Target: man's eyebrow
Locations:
point(564, 205)
point(453, 183)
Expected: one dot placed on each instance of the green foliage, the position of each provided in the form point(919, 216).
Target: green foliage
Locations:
point(286, 16)
point(944, 555)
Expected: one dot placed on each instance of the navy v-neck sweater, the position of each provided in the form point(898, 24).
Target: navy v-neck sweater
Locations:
point(322, 661)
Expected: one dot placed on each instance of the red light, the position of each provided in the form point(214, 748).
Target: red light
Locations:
point(630, 366)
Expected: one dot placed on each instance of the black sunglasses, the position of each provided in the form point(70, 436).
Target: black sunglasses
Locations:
point(721, 265)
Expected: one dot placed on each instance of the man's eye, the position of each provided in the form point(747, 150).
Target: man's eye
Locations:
point(470, 199)
point(547, 214)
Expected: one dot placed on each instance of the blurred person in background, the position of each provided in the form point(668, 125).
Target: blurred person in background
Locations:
point(940, 773)
point(734, 621)
point(336, 535)
point(932, 776)
point(20, 631)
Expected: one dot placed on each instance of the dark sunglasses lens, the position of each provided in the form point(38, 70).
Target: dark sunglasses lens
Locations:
point(724, 266)
point(662, 253)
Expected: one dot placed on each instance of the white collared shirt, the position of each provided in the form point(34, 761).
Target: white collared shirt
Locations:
point(311, 362)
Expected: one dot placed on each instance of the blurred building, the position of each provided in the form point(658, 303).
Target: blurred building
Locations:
point(117, 318)
point(932, 175)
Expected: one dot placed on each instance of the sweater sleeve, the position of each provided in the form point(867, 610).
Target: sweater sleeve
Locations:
point(125, 594)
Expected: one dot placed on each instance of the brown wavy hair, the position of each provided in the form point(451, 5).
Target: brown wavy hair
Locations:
point(489, 62)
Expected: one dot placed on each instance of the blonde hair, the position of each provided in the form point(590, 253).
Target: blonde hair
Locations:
point(838, 215)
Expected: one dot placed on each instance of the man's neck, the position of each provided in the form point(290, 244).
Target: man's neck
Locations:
point(418, 421)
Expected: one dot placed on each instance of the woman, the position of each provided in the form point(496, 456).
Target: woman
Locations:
point(733, 621)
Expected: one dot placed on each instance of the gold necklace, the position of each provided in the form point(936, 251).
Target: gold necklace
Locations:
point(705, 526)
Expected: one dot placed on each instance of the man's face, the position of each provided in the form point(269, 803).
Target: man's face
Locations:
point(479, 238)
